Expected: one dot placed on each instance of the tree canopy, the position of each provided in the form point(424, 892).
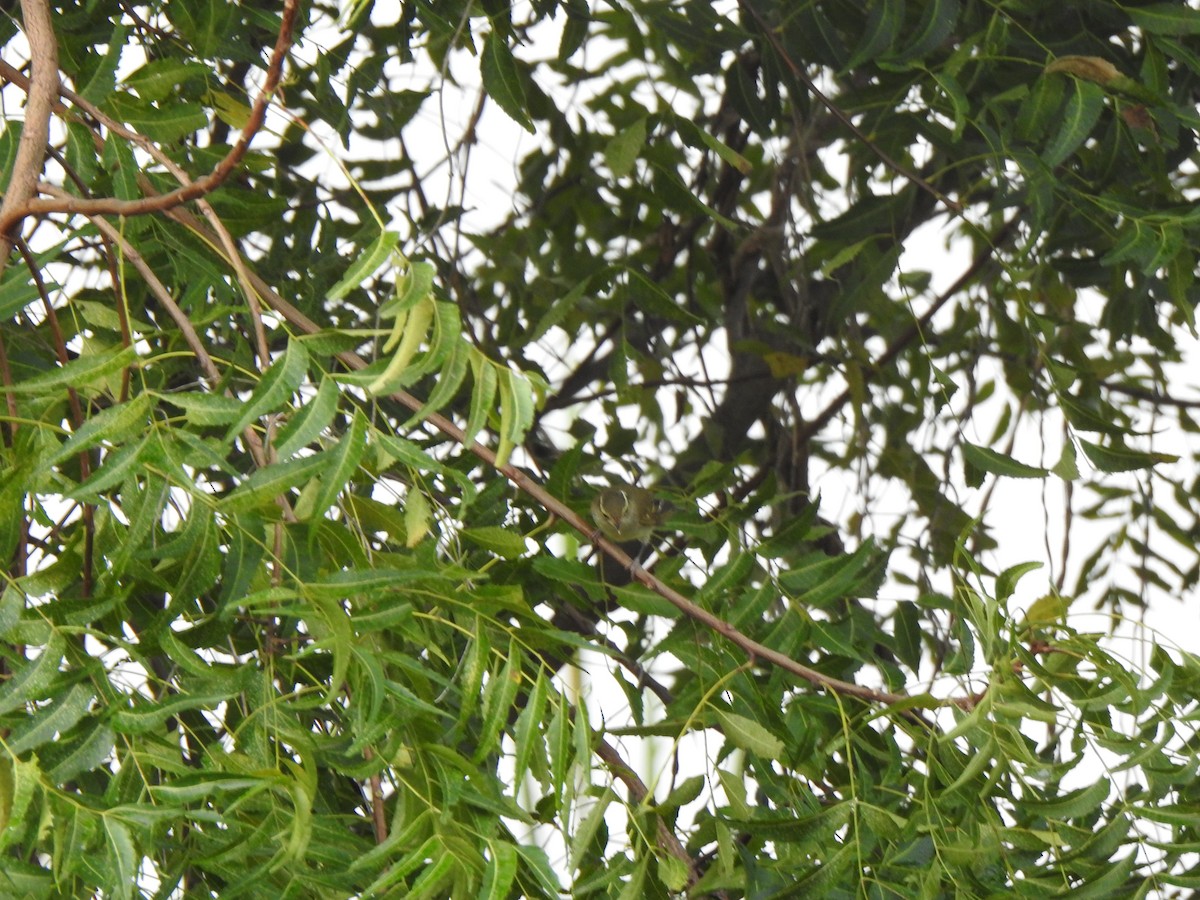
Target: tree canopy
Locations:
point(322, 326)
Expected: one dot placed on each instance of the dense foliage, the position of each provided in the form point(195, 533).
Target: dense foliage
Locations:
point(323, 325)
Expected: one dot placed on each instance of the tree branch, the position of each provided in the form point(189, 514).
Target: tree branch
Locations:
point(103, 206)
point(35, 130)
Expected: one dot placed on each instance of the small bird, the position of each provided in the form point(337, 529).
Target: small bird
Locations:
point(627, 513)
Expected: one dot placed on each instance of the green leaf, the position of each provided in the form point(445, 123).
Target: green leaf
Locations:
point(1165, 18)
point(364, 582)
point(112, 424)
point(818, 579)
point(516, 412)
point(501, 870)
point(502, 80)
point(206, 409)
point(343, 460)
point(16, 293)
point(165, 122)
point(202, 560)
point(364, 265)
point(1067, 468)
point(587, 829)
point(103, 78)
point(483, 395)
point(880, 31)
point(309, 422)
point(418, 517)
point(1006, 581)
point(50, 721)
point(1122, 459)
point(87, 372)
point(33, 680)
point(985, 459)
point(749, 735)
point(266, 484)
point(448, 351)
point(275, 388)
point(414, 286)
point(622, 150)
point(938, 19)
point(1070, 804)
point(527, 737)
point(1085, 102)
point(504, 542)
point(142, 505)
point(148, 715)
point(92, 752)
point(160, 79)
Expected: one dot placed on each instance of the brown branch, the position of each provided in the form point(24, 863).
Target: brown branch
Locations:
point(197, 188)
point(638, 793)
point(556, 507)
point(35, 130)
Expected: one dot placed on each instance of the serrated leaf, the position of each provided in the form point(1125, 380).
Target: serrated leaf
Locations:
point(453, 366)
point(90, 370)
point(417, 517)
point(266, 484)
point(50, 721)
point(355, 582)
point(414, 286)
point(1122, 459)
point(988, 460)
point(206, 409)
point(500, 872)
point(504, 542)
point(165, 122)
point(202, 561)
point(1165, 18)
point(1067, 467)
point(364, 265)
point(90, 753)
point(623, 148)
point(1006, 581)
point(818, 580)
point(114, 423)
point(32, 681)
point(1048, 610)
point(275, 388)
point(1085, 102)
point(412, 330)
point(308, 422)
point(526, 733)
point(343, 460)
point(516, 412)
point(502, 80)
point(938, 18)
point(882, 27)
point(749, 735)
point(483, 395)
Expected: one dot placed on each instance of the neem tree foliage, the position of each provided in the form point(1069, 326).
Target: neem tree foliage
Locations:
point(295, 450)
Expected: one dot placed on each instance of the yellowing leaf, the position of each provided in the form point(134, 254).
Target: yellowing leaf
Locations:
point(417, 516)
